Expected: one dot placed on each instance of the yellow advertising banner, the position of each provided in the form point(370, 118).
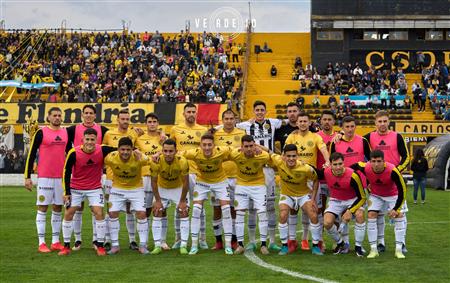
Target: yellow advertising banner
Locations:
point(441, 127)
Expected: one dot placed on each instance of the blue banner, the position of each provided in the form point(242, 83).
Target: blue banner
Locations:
point(12, 83)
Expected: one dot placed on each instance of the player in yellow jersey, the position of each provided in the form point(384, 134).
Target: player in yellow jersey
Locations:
point(308, 145)
point(149, 144)
point(127, 187)
point(211, 178)
point(112, 138)
point(295, 194)
point(170, 183)
point(231, 136)
point(250, 186)
point(187, 136)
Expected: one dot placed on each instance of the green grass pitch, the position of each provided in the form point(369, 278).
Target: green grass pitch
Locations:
point(428, 259)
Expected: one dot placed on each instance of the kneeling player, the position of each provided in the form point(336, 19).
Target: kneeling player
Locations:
point(387, 193)
point(294, 176)
point(83, 172)
point(170, 183)
point(346, 199)
point(127, 187)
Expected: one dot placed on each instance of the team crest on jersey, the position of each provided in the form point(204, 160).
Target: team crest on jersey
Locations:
point(195, 194)
point(310, 143)
point(282, 198)
point(369, 203)
point(114, 138)
point(266, 126)
point(198, 133)
point(109, 204)
point(255, 164)
point(41, 198)
point(236, 138)
point(236, 203)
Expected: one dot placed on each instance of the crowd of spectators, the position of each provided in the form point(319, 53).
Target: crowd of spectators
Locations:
point(125, 67)
point(11, 160)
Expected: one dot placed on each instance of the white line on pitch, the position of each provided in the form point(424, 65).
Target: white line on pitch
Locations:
point(250, 255)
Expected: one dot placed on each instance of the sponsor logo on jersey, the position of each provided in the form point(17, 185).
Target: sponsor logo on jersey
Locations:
point(58, 138)
point(349, 150)
point(336, 185)
point(310, 144)
point(90, 162)
point(378, 181)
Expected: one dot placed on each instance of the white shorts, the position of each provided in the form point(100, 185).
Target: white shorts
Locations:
point(119, 197)
point(95, 197)
point(244, 194)
point(192, 181)
point(107, 185)
point(147, 181)
point(294, 202)
point(324, 190)
point(404, 208)
point(269, 178)
point(381, 204)
point(337, 207)
point(219, 190)
point(169, 196)
point(49, 191)
point(231, 185)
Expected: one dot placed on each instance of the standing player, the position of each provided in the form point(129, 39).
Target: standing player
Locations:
point(75, 135)
point(187, 136)
point(149, 144)
point(83, 172)
point(387, 193)
point(227, 136)
point(262, 129)
point(295, 176)
point(112, 138)
point(170, 183)
point(393, 145)
point(346, 199)
point(355, 149)
point(250, 186)
point(127, 187)
point(51, 141)
point(210, 178)
point(309, 145)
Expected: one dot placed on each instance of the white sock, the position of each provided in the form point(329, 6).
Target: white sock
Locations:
point(195, 223)
point(262, 224)
point(217, 227)
point(163, 228)
point(142, 229)
point(320, 218)
point(240, 225)
point(406, 227)
point(94, 230)
point(293, 227)
point(40, 226)
point(100, 227)
point(344, 232)
point(315, 232)
point(203, 226)
point(157, 230)
point(380, 228)
point(114, 227)
point(333, 232)
point(272, 219)
point(184, 227)
point(107, 232)
point(305, 224)
point(56, 226)
point(400, 231)
point(131, 227)
point(372, 232)
point(77, 222)
point(176, 222)
point(283, 228)
point(360, 233)
point(67, 228)
point(227, 224)
point(251, 225)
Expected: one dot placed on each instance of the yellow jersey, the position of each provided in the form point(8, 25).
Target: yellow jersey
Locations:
point(308, 146)
point(126, 175)
point(294, 181)
point(210, 169)
point(170, 176)
point(112, 138)
point(188, 138)
point(232, 139)
point(148, 145)
point(250, 170)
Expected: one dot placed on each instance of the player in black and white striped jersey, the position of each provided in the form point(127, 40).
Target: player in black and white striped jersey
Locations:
point(263, 131)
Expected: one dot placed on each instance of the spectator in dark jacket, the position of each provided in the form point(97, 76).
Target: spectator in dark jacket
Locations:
point(419, 166)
